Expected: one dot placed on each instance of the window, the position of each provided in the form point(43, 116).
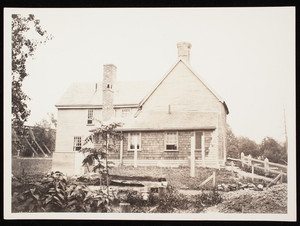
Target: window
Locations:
point(171, 139)
point(90, 117)
point(125, 112)
point(134, 141)
point(198, 140)
point(77, 144)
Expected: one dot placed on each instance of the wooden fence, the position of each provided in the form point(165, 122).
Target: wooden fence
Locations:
point(265, 165)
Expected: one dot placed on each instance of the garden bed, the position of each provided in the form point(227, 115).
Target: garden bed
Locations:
point(182, 195)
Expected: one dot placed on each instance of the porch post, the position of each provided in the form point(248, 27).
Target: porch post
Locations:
point(135, 152)
point(193, 156)
point(121, 152)
point(203, 150)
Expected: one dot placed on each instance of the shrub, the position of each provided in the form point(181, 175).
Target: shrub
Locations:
point(208, 199)
point(171, 200)
point(54, 193)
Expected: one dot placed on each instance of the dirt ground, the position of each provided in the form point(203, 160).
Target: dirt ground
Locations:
point(270, 200)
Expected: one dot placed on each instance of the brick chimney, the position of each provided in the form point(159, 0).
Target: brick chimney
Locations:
point(109, 78)
point(184, 49)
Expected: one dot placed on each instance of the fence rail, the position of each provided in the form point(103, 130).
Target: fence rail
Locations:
point(265, 165)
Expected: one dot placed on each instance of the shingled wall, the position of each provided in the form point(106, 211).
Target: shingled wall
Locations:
point(153, 148)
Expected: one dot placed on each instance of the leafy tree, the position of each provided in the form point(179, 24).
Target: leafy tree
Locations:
point(103, 140)
point(23, 47)
point(248, 147)
point(232, 144)
point(272, 150)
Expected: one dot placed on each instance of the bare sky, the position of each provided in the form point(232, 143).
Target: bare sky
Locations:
point(247, 55)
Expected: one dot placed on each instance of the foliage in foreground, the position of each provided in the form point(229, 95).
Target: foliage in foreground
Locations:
point(54, 193)
point(172, 201)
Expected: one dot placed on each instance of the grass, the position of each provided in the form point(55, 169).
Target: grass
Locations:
point(31, 166)
point(177, 177)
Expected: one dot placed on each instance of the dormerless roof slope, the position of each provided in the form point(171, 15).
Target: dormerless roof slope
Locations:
point(87, 95)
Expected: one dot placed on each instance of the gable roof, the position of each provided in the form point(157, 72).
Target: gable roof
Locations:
point(86, 94)
point(194, 72)
point(162, 120)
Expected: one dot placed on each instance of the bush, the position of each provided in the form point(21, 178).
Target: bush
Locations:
point(171, 200)
point(54, 193)
point(208, 199)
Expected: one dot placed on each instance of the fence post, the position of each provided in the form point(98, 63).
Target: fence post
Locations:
point(192, 156)
point(281, 175)
point(232, 167)
point(249, 160)
point(266, 166)
point(242, 158)
point(214, 179)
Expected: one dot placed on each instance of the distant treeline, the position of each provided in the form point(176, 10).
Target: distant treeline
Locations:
point(268, 148)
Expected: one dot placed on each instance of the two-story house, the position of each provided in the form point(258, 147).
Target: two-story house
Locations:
point(159, 120)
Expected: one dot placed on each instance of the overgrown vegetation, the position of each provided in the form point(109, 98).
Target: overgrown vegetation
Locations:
point(56, 193)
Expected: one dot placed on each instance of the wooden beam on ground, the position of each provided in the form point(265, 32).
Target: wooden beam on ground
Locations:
point(275, 180)
point(208, 179)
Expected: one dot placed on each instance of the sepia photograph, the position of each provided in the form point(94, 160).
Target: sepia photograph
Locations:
point(150, 113)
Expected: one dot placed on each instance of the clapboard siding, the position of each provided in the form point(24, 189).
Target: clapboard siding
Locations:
point(70, 123)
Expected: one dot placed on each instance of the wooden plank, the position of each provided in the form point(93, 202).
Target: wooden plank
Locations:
point(33, 138)
point(279, 165)
point(208, 179)
point(46, 148)
point(274, 181)
point(31, 146)
point(233, 159)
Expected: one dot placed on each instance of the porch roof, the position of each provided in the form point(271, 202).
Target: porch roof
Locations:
point(159, 120)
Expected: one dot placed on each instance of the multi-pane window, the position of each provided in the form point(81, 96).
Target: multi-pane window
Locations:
point(77, 144)
point(125, 112)
point(171, 141)
point(198, 140)
point(90, 116)
point(134, 141)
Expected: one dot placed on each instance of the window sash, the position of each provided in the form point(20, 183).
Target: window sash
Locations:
point(131, 141)
point(77, 143)
point(90, 116)
point(171, 141)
